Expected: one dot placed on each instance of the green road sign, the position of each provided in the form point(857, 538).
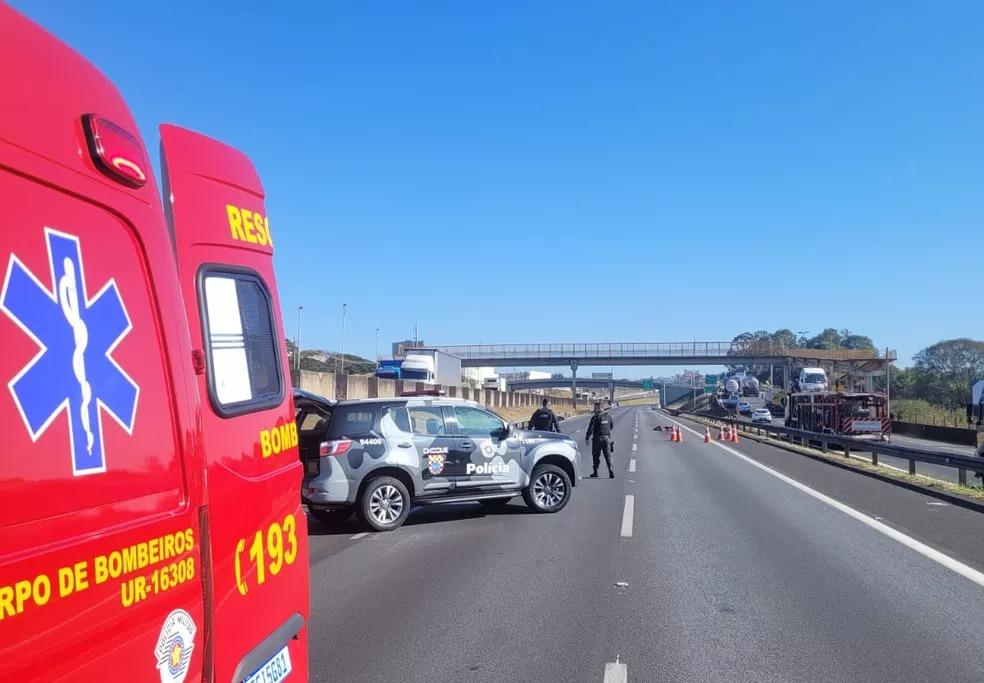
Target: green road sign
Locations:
point(710, 380)
point(648, 384)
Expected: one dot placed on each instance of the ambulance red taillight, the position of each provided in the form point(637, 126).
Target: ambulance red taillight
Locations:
point(115, 151)
point(339, 447)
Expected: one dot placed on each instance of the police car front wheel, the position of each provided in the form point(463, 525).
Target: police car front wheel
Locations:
point(384, 504)
point(549, 489)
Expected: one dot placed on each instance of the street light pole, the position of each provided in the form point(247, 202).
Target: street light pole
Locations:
point(344, 306)
point(297, 342)
point(888, 390)
point(377, 348)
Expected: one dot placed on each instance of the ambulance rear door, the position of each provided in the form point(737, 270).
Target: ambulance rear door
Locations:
point(258, 531)
point(100, 464)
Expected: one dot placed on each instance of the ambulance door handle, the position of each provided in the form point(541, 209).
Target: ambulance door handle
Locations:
point(404, 444)
point(466, 445)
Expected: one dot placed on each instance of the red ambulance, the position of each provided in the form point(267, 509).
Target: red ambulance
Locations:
point(150, 526)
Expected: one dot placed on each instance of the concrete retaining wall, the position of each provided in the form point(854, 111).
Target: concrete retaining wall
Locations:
point(956, 435)
point(340, 387)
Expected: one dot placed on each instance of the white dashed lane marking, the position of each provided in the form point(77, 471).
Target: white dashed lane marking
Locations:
point(358, 536)
point(627, 513)
point(875, 523)
point(616, 672)
point(632, 465)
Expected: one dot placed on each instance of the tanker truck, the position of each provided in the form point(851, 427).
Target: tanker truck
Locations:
point(750, 386)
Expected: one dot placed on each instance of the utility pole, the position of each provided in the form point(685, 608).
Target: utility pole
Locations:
point(297, 342)
point(888, 390)
point(344, 306)
point(377, 348)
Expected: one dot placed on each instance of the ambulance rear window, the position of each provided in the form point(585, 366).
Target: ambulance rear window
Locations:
point(244, 368)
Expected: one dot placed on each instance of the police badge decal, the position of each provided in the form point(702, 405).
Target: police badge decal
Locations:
point(435, 463)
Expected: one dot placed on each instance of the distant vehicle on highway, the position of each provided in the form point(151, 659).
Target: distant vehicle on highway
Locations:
point(431, 366)
point(390, 369)
point(377, 457)
point(762, 415)
point(833, 412)
point(812, 379)
point(750, 387)
point(496, 383)
point(744, 408)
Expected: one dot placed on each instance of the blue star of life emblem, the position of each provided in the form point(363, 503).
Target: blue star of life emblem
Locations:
point(74, 370)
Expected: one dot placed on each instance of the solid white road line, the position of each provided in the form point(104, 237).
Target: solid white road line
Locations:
point(616, 672)
point(358, 536)
point(627, 516)
point(926, 551)
point(632, 465)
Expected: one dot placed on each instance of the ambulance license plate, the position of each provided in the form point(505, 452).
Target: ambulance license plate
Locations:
point(276, 669)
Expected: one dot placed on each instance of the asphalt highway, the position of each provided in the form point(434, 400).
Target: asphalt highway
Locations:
point(699, 562)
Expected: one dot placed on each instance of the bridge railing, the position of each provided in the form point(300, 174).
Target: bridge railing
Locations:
point(693, 349)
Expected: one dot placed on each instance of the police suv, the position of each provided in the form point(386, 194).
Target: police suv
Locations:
point(377, 457)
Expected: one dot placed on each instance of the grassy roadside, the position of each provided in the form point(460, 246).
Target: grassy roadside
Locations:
point(968, 492)
point(641, 401)
point(522, 414)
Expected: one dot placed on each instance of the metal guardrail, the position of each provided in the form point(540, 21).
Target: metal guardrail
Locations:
point(962, 463)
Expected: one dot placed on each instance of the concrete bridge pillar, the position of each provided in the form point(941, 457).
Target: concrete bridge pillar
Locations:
point(574, 384)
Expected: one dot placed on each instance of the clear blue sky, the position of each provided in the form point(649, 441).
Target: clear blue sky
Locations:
point(635, 171)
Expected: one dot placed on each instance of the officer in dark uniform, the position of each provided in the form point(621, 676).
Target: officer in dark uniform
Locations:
point(544, 419)
point(600, 428)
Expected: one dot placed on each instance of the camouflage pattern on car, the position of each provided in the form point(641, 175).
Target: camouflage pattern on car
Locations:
point(450, 464)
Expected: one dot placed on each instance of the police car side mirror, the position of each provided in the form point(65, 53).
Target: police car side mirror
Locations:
point(501, 433)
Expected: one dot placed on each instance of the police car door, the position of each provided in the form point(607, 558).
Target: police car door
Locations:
point(259, 577)
point(490, 459)
point(434, 445)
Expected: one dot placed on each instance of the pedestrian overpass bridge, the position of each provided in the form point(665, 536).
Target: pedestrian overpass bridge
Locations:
point(859, 363)
point(654, 353)
point(581, 383)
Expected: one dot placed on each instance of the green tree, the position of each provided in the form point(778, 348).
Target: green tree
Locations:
point(855, 341)
point(828, 339)
point(785, 337)
point(945, 371)
point(903, 383)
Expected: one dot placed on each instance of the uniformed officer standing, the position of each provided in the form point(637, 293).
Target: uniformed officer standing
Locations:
point(544, 419)
point(600, 429)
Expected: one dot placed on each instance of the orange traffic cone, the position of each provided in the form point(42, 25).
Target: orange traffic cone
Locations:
point(721, 432)
point(734, 434)
point(674, 437)
point(707, 435)
point(679, 435)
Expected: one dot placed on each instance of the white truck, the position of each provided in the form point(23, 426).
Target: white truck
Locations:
point(812, 379)
point(496, 382)
point(431, 366)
